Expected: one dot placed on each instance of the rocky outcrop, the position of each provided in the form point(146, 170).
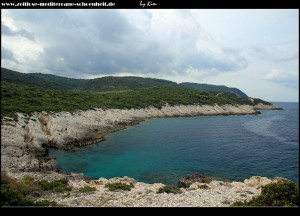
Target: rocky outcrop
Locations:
point(261, 106)
point(24, 144)
point(258, 181)
point(193, 178)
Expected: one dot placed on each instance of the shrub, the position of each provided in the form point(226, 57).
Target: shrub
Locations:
point(60, 185)
point(27, 185)
point(10, 196)
point(86, 189)
point(45, 203)
point(282, 193)
point(5, 179)
point(118, 186)
point(169, 189)
point(13, 192)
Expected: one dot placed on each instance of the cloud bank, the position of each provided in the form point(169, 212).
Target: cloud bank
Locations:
point(180, 45)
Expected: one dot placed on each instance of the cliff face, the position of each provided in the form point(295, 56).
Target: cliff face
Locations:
point(24, 144)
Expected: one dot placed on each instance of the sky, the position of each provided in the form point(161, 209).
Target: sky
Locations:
point(254, 50)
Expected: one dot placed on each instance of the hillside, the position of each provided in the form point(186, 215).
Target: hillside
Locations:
point(103, 84)
point(214, 88)
point(27, 93)
point(48, 81)
point(111, 83)
point(26, 99)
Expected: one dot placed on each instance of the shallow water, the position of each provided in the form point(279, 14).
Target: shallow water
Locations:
point(166, 149)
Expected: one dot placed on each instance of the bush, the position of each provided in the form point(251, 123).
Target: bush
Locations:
point(5, 179)
point(10, 196)
point(169, 189)
point(118, 186)
point(13, 192)
point(60, 185)
point(282, 193)
point(86, 189)
point(27, 185)
point(45, 203)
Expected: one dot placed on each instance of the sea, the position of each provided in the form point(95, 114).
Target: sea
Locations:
point(164, 150)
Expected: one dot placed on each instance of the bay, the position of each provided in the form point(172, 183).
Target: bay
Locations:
point(166, 149)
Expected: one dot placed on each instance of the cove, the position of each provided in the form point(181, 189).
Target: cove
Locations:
point(166, 149)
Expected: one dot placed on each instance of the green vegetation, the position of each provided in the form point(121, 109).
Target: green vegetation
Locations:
point(123, 83)
point(48, 81)
point(10, 196)
point(282, 193)
point(169, 189)
point(109, 83)
point(27, 93)
point(117, 186)
point(25, 99)
point(257, 101)
point(86, 189)
point(60, 185)
point(214, 88)
point(18, 193)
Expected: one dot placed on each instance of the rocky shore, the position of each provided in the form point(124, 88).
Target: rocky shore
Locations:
point(212, 194)
point(25, 144)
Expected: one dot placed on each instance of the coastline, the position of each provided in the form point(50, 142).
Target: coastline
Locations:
point(25, 143)
point(215, 193)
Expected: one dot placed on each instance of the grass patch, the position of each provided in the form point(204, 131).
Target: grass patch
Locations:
point(169, 189)
point(282, 193)
point(60, 185)
point(86, 189)
point(117, 186)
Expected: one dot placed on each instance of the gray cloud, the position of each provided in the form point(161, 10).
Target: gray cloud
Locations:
point(78, 42)
point(230, 47)
point(285, 77)
point(23, 33)
point(276, 53)
point(7, 54)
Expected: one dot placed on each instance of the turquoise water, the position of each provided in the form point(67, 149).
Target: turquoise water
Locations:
point(166, 149)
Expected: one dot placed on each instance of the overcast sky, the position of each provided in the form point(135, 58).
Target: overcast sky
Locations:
point(256, 51)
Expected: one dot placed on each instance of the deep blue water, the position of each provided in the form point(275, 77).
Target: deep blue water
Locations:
point(166, 149)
